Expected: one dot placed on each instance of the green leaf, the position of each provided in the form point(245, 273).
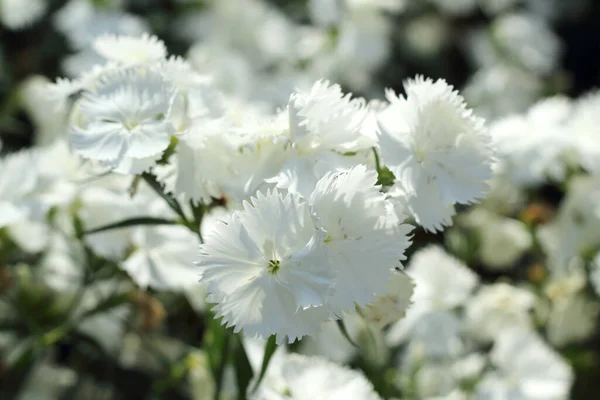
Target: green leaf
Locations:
point(243, 369)
point(270, 348)
point(345, 333)
point(131, 222)
point(158, 188)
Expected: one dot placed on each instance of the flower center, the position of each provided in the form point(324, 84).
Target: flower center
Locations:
point(273, 266)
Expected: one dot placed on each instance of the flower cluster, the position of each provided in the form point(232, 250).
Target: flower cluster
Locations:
point(232, 222)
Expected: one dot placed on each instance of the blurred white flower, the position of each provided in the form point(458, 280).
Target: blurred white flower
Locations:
point(531, 147)
point(442, 282)
point(501, 89)
point(124, 122)
point(501, 240)
point(163, 258)
point(584, 132)
point(572, 320)
point(527, 369)
point(18, 181)
point(393, 305)
point(130, 50)
point(574, 231)
point(308, 378)
point(528, 39)
point(437, 149)
point(19, 14)
point(497, 307)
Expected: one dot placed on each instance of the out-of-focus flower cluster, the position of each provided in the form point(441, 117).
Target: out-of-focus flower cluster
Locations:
point(264, 201)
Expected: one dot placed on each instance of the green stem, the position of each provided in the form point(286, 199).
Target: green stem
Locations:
point(377, 161)
point(198, 212)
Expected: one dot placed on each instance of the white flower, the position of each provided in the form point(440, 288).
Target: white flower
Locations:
point(309, 378)
point(526, 39)
point(575, 230)
point(163, 258)
point(442, 282)
point(18, 180)
point(527, 369)
point(130, 49)
point(267, 269)
point(498, 307)
point(572, 320)
point(530, 147)
point(323, 124)
point(391, 306)
point(583, 131)
point(18, 14)
point(124, 121)
point(365, 238)
point(502, 240)
point(437, 149)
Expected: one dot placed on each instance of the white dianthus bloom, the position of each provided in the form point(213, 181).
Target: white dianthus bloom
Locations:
point(130, 49)
point(498, 307)
point(124, 122)
point(437, 149)
point(310, 378)
point(595, 273)
point(574, 231)
point(18, 14)
point(18, 180)
point(391, 306)
point(583, 132)
point(365, 238)
point(267, 269)
point(501, 240)
point(442, 282)
point(161, 258)
point(324, 123)
point(530, 147)
point(527, 369)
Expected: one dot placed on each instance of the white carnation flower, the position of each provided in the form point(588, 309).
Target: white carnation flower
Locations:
point(308, 378)
point(527, 368)
point(574, 231)
point(124, 122)
point(162, 258)
point(530, 147)
point(19, 14)
point(267, 269)
point(437, 149)
point(323, 124)
point(18, 180)
point(365, 239)
point(442, 282)
point(498, 307)
point(391, 306)
point(583, 132)
point(130, 49)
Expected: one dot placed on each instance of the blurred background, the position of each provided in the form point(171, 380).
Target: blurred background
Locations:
point(503, 55)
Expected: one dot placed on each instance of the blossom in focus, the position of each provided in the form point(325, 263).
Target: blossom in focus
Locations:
point(438, 150)
point(267, 269)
